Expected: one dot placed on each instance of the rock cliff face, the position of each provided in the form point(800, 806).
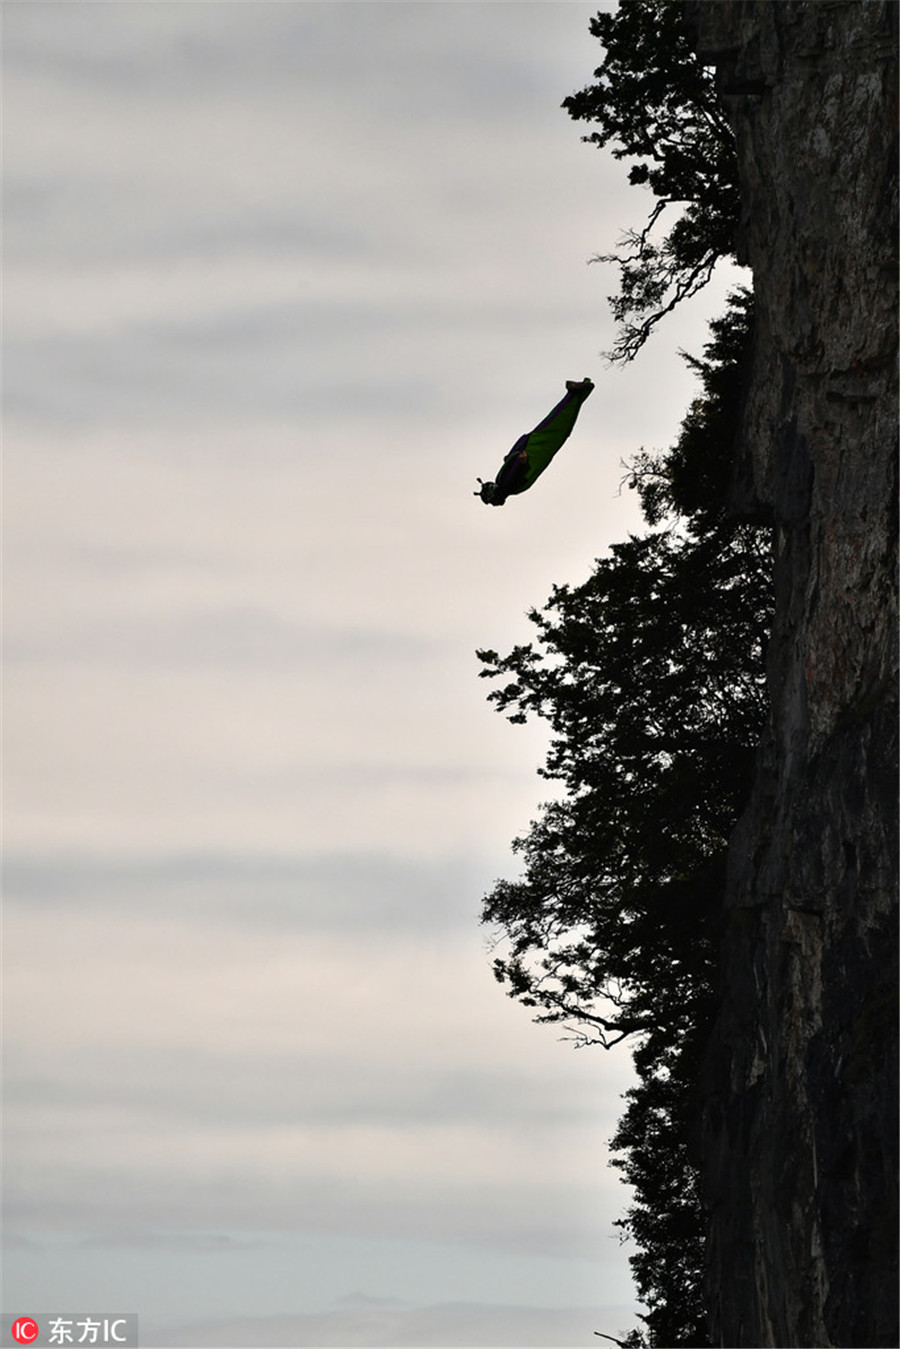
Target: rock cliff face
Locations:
point(800, 1122)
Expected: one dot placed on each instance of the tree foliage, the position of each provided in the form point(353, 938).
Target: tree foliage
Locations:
point(647, 675)
point(650, 675)
point(693, 480)
point(655, 1141)
point(655, 104)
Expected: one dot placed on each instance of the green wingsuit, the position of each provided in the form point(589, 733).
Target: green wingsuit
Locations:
point(531, 453)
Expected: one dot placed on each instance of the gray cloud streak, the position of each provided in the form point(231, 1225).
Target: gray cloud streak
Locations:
point(236, 637)
point(373, 892)
point(363, 1321)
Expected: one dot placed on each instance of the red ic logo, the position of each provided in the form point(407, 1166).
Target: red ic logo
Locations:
point(25, 1330)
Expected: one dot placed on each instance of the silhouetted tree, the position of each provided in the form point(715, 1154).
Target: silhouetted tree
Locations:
point(655, 104)
point(648, 674)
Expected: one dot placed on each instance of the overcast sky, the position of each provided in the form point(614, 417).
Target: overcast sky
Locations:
point(280, 281)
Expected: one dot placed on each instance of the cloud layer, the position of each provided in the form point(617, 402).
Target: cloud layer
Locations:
point(280, 280)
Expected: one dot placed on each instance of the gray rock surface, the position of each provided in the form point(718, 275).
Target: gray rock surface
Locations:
point(800, 1128)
